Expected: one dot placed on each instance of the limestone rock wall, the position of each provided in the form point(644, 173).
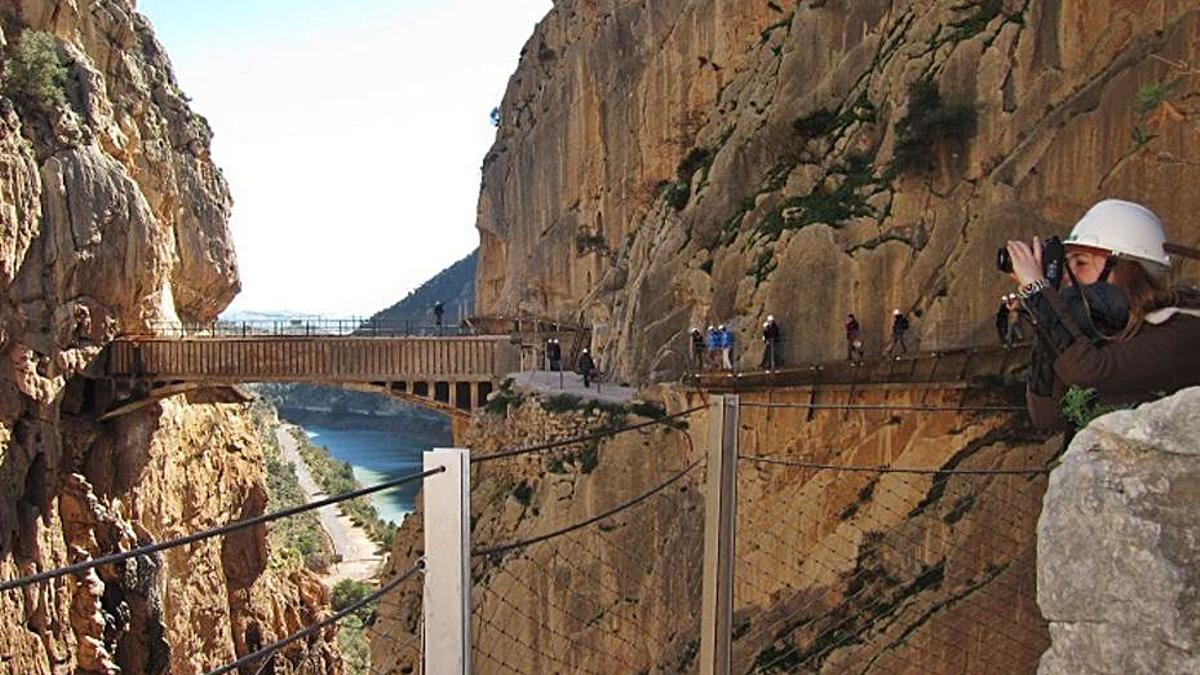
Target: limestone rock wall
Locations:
point(1119, 544)
point(666, 165)
point(113, 218)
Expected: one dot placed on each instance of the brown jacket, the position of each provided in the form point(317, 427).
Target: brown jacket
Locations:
point(1160, 359)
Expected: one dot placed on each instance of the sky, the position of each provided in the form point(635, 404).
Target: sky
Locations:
point(351, 133)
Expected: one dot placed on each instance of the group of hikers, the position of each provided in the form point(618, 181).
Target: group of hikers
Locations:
point(713, 349)
point(585, 365)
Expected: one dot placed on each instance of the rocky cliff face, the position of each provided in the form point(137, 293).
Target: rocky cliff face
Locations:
point(114, 219)
point(1119, 544)
point(661, 166)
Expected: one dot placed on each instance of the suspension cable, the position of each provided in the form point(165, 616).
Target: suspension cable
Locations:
point(886, 406)
point(580, 439)
point(504, 548)
point(216, 531)
point(313, 628)
point(883, 468)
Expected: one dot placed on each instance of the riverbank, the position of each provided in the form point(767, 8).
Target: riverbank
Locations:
point(359, 554)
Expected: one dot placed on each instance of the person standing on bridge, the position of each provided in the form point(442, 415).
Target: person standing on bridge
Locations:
point(725, 342)
point(586, 366)
point(554, 355)
point(1002, 320)
point(1012, 333)
point(698, 348)
point(854, 344)
point(439, 310)
point(771, 343)
point(899, 329)
point(1116, 327)
point(714, 348)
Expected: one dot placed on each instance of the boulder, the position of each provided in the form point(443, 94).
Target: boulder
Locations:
point(1119, 544)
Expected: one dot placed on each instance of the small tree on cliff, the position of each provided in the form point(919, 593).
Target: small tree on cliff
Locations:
point(34, 76)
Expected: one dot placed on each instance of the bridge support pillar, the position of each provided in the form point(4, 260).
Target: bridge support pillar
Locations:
point(720, 518)
point(447, 596)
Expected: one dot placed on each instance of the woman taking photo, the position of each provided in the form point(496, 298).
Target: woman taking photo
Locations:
point(1115, 326)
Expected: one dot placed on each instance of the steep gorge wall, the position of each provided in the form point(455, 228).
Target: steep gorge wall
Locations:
point(665, 165)
point(114, 218)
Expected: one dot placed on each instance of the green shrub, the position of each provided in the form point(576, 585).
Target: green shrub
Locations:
point(930, 125)
point(523, 493)
point(502, 398)
point(816, 124)
point(678, 194)
point(349, 591)
point(560, 403)
point(586, 241)
point(1080, 406)
point(34, 76)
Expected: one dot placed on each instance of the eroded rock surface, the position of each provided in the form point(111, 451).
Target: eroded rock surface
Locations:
point(1119, 544)
point(672, 164)
point(113, 218)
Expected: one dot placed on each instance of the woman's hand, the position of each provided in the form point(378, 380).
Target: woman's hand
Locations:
point(1026, 261)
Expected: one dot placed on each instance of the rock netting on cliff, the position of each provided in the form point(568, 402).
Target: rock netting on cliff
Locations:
point(113, 219)
point(666, 165)
point(1119, 544)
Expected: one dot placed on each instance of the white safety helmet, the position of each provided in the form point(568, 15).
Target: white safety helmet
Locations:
point(721, 327)
point(895, 312)
point(1012, 296)
point(770, 317)
point(1126, 229)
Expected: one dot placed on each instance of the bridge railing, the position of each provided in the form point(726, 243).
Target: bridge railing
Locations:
point(303, 327)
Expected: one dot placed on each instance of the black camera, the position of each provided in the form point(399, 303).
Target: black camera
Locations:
point(1054, 256)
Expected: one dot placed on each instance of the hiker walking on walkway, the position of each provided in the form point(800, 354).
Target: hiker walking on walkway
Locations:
point(1013, 311)
point(698, 348)
point(899, 328)
point(554, 354)
point(438, 311)
point(586, 366)
point(1002, 320)
point(714, 348)
point(854, 344)
point(725, 341)
point(771, 340)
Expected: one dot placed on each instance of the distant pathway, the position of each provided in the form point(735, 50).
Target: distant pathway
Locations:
point(359, 559)
point(546, 382)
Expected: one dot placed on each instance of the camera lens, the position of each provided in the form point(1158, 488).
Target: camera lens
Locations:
point(1004, 261)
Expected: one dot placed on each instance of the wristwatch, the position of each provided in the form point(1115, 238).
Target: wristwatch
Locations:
point(1032, 288)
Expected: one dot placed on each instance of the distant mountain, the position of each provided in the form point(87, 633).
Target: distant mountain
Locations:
point(453, 286)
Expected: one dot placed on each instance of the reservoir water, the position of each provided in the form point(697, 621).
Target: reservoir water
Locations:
point(377, 456)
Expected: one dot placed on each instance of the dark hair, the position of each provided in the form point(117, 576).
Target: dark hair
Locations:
point(1147, 293)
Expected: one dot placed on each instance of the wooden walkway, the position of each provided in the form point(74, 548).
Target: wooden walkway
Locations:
point(451, 373)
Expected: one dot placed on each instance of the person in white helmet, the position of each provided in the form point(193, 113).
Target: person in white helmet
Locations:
point(772, 358)
point(1012, 333)
point(1115, 327)
point(586, 367)
point(899, 329)
point(1002, 320)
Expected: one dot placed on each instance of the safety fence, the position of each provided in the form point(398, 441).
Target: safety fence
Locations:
point(886, 555)
point(765, 552)
point(504, 621)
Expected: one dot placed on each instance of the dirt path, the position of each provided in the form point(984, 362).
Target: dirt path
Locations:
point(359, 559)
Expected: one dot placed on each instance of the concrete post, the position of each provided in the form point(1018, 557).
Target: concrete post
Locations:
point(447, 597)
point(720, 517)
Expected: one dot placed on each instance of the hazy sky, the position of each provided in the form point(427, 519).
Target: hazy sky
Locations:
point(351, 133)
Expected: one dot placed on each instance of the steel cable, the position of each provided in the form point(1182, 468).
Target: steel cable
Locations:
point(213, 532)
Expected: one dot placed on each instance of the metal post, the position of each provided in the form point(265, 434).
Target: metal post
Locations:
point(720, 518)
point(447, 597)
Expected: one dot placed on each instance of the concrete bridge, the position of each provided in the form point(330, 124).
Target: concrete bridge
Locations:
point(453, 374)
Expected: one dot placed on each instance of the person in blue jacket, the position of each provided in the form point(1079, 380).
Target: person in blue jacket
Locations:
point(726, 343)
